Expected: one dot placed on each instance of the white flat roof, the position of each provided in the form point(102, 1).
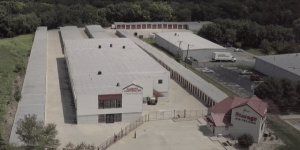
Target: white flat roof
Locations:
point(196, 42)
point(97, 32)
point(210, 90)
point(70, 33)
point(117, 65)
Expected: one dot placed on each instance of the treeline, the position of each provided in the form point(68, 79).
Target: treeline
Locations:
point(246, 33)
point(22, 16)
point(282, 92)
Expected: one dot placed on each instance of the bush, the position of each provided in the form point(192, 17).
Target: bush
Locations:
point(17, 94)
point(19, 67)
point(245, 140)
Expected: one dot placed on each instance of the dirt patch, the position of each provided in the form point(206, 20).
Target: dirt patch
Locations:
point(11, 107)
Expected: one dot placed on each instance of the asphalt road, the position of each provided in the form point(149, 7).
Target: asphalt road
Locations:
point(230, 78)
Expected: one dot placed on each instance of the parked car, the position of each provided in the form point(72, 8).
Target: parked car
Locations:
point(245, 72)
point(207, 70)
point(238, 50)
point(256, 77)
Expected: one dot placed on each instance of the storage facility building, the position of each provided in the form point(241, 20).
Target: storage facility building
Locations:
point(34, 87)
point(189, 43)
point(110, 79)
point(161, 25)
point(70, 33)
point(205, 91)
point(279, 66)
point(96, 32)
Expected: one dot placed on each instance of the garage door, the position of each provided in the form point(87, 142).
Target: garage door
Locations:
point(123, 26)
point(179, 26)
point(138, 26)
point(185, 27)
point(169, 26)
point(159, 26)
point(174, 26)
point(127, 26)
point(118, 26)
point(165, 26)
point(143, 26)
point(132, 26)
point(154, 26)
point(148, 26)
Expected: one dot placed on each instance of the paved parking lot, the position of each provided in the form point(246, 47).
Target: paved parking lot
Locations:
point(230, 78)
point(167, 135)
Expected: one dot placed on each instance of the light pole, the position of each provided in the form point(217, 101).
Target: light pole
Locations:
point(187, 53)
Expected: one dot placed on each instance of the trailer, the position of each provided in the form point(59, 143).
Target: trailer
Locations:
point(223, 56)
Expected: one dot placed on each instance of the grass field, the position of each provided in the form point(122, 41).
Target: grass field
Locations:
point(257, 52)
point(203, 76)
point(13, 60)
point(288, 134)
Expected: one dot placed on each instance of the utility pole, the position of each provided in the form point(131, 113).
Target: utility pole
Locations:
point(187, 53)
point(255, 85)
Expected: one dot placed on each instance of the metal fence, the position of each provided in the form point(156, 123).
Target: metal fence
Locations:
point(162, 115)
point(123, 132)
point(159, 115)
point(241, 64)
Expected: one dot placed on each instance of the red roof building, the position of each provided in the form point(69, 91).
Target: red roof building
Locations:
point(236, 116)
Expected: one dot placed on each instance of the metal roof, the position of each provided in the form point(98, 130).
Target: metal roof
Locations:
point(96, 32)
point(70, 33)
point(288, 62)
point(196, 25)
point(196, 42)
point(117, 65)
point(34, 86)
point(214, 93)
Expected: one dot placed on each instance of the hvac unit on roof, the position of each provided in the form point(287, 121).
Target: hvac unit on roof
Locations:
point(99, 46)
point(99, 73)
point(110, 45)
point(124, 47)
point(118, 84)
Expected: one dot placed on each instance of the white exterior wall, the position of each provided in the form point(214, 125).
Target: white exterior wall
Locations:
point(147, 87)
point(240, 127)
point(164, 87)
point(87, 111)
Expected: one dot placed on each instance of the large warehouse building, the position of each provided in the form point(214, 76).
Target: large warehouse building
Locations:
point(111, 78)
point(279, 66)
point(191, 44)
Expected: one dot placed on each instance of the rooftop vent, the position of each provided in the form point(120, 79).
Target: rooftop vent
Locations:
point(99, 46)
point(99, 73)
point(118, 84)
point(110, 45)
point(175, 34)
point(124, 47)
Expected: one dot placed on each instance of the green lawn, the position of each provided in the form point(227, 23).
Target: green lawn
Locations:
point(257, 52)
point(288, 134)
point(13, 51)
point(203, 76)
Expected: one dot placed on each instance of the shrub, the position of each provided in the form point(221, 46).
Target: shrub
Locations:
point(245, 140)
point(17, 94)
point(19, 67)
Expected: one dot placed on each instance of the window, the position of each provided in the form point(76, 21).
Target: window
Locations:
point(101, 119)
point(160, 81)
point(101, 104)
point(118, 117)
point(226, 128)
point(119, 103)
point(106, 104)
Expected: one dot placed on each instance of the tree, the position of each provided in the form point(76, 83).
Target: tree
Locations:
point(245, 140)
point(33, 132)
point(265, 47)
point(296, 29)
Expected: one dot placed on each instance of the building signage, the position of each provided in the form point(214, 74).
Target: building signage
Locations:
point(245, 118)
point(132, 89)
